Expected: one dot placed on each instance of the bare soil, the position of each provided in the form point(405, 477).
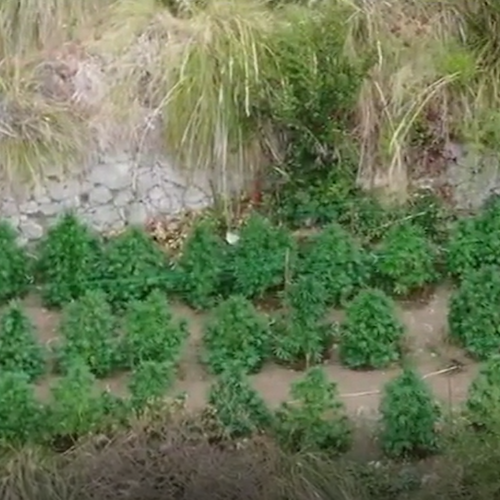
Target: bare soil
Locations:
point(446, 368)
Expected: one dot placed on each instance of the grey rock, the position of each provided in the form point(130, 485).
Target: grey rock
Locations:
point(49, 209)
point(104, 218)
point(156, 194)
point(146, 181)
point(195, 198)
point(114, 176)
point(31, 230)
point(100, 195)
point(137, 214)
point(59, 191)
point(29, 208)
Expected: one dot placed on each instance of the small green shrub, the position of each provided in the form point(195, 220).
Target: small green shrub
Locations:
point(14, 265)
point(68, 261)
point(88, 331)
point(406, 259)
point(371, 333)
point(239, 409)
point(20, 350)
point(299, 334)
point(149, 383)
point(202, 265)
point(315, 419)
point(335, 260)
point(152, 333)
point(260, 259)
point(21, 415)
point(409, 415)
point(133, 266)
point(483, 402)
point(474, 312)
point(77, 407)
point(236, 334)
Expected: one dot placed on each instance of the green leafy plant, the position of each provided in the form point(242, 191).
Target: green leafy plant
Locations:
point(474, 312)
point(15, 272)
point(405, 259)
point(409, 415)
point(299, 334)
point(239, 409)
point(133, 266)
point(149, 383)
point(68, 261)
point(261, 258)
point(335, 260)
point(315, 418)
point(88, 331)
point(20, 350)
point(152, 333)
point(77, 407)
point(201, 266)
point(21, 415)
point(371, 333)
point(236, 334)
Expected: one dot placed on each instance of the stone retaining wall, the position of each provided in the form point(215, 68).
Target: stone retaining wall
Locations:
point(108, 195)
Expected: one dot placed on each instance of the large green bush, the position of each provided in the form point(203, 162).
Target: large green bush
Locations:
point(409, 415)
point(299, 334)
point(371, 333)
point(152, 333)
point(474, 312)
point(133, 266)
point(239, 409)
point(405, 259)
point(315, 418)
point(21, 415)
point(260, 259)
point(89, 331)
point(20, 349)
point(68, 261)
point(15, 272)
point(236, 334)
point(201, 266)
point(338, 262)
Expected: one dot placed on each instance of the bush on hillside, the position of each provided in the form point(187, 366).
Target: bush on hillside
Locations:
point(474, 312)
point(315, 418)
point(89, 331)
point(409, 415)
point(15, 272)
point(482, 407)
point(261, 258)
point(68, 261)
point(201, 266)
point(405, 259)
point(152, 333)
point(21, 415)
point(371, 333)
point(236, 334)
point(239, 409)
point(133, 266)
point(334, 259)
point(300, 335)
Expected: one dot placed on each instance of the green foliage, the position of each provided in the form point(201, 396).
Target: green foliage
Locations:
point(14, 265)
point(88, 331)
point(371, 333)
point(406, 259)
point(202, 265)
point(260, 259)
point(315, 419)
point(77, 407)
point(152, 333)
point(133, 266)
point(20, 413)
point(409, 415)
point(474, 312)
point(68, 261)
point(334, 259)
point(299, 333)
point(483, 401)
point(149, 383)
point(236, 334)
point(20, 350)
point(239, 408)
